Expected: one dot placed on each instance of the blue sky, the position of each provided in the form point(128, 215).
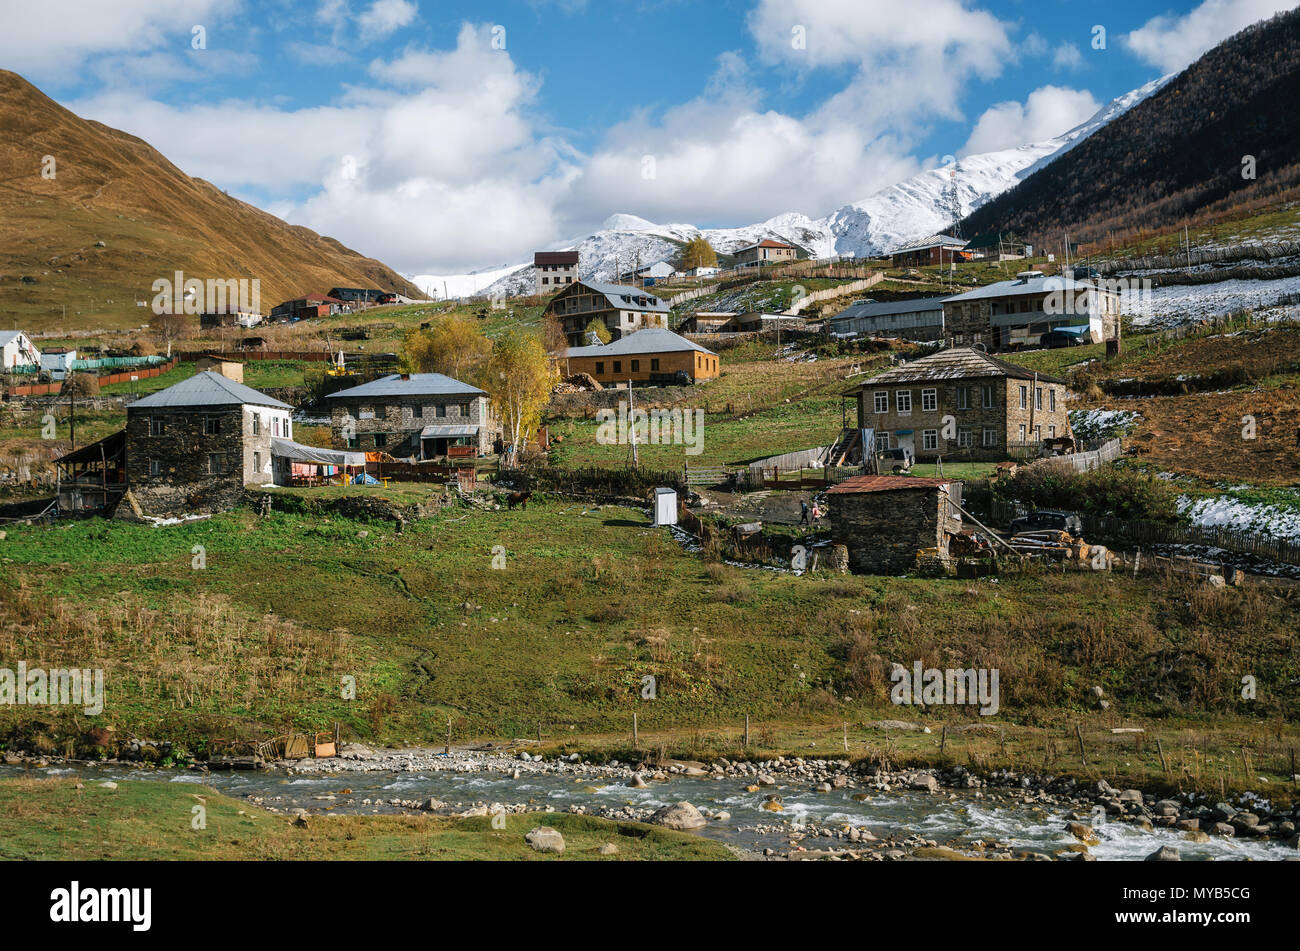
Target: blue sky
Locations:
point(443, 136)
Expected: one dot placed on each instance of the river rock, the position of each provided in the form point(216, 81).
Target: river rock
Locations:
point(1222, 828)
point(681, 816)
point(1131, 795)
point(1166, 807)
point(636, 782)
point(545, 839)
point(1166, 853)
point(1081, 831)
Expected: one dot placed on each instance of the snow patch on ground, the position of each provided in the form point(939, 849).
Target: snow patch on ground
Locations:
point(1190, 303)
point(1224, 511)
point(1102, 423)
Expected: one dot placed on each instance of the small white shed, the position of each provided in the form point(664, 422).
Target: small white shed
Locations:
point(665, 507)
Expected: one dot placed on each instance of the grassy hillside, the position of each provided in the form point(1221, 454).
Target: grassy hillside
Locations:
point(151, 217)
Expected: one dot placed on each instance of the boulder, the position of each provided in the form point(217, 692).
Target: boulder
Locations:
point(545, 839)
point(681, 816)
point(1166, 853)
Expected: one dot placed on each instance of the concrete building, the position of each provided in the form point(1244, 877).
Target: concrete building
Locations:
point(422, 416)
point(765, 252)
point(962, 403)
point(194, 446)
point(623, 310)
point(17, 351)
point(58, 361)
point(919, 319)
point(1013, 314)
point(887, 521)
point(230, 369)
point(651, 356)
point(553, 270)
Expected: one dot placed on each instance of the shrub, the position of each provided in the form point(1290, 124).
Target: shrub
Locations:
point(1116, 493)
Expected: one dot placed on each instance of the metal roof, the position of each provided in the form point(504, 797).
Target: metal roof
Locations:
point(206, 389)
point(8, 336)
point(890, 308)
point(885, 483)
point(622, 297)
point(650, 340)
point(442, 432)
point(414, 384)
point(1017, 288)
point(934, 241)
point(954, 363)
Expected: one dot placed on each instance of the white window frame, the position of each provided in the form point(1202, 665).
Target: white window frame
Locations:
point(930, 439)
point(990, 437)
point(965, 438)
point(929, 400)
point(881, 401)
point(903, 402)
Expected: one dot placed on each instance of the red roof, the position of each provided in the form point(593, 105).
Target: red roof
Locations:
point(769, 243)
point(885, 483)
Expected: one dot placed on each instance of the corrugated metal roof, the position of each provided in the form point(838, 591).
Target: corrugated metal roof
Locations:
point(885, 483)
point(442, 432)
point(954, 363)
point(650, 340)
point(8, 336)
point(1017, 288)
point(207, 389)
point(622, 297)
point(416, 384)
point(934, 241)
point(889, 308)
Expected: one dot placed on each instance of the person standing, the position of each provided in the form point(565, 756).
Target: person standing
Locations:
point(803, 512)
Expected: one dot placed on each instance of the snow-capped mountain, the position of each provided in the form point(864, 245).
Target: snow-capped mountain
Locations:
point(907, 211)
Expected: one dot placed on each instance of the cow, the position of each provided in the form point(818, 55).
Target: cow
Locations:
point(518, 498)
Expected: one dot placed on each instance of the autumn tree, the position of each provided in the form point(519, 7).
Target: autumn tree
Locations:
point(453, 346)
point(597, 327)
point(698, 253)
point(519, 378)
point(168, 328)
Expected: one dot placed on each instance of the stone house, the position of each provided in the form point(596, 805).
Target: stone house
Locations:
point(765, 252)
point(652, 356)
point(414, 415)
point(623, 310)
point(194, 446)
point(886, 521)
point(553, 270)
point(1013, 314)
point(963, 403)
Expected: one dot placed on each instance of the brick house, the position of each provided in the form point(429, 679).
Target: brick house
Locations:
point(647, 356)
point(961, 402)
point(417, 415)
point(553, 270)
point(886, 521)
point(623, 310)
point(1012, 314)
point(765, 252)
point(194, 446)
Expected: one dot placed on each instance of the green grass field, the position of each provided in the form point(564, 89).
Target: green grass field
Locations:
point(156, 821)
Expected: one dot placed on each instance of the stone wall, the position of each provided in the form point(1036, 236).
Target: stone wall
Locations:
point(185, 483)
point(884, 530)
point(396, 419)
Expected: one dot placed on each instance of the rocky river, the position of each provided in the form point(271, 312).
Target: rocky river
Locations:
point(783, 808)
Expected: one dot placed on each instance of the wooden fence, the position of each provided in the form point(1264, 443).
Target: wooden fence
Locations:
point(1108, 451)
point(1140, 533)
point(839, 291)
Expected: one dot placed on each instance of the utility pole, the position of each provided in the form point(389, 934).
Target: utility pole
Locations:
point(631, 423)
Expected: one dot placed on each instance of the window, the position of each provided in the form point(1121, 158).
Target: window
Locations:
point(903, 402)
point(965, 438)
point(211, 425)
point(155, 467)
point(986, 396)
point(442, 411)
point(990, 436)
point(546, 280)
point(275, 425)
point(288, 429)
point(882, 401)
point(654, 364)
point(257, 462)
point(464, 409)
point(618, 366)
point(417, 411)
point(380, 410)
point(929, 400)
point(636, 366)
point(1051, 432)
point(930, 439)
point(1024, 397)
point(1038, 397)
point(1038, 433)
point(354, 442)
point(216, 463)
point(257, 424)
point(600, 366)
point(1022, 432)
point(381, 440)
point(963, 397)
point(1051, 399)
point(884, 440)
point(155, 426)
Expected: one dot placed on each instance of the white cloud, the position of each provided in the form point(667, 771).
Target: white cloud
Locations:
point(1047, 112)
point(1172, 42)
point(385, 16)
point(1067, 56)
point(51, 40)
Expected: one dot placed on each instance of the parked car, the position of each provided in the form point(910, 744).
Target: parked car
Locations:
point(1061, 338)
point(1045, 520)
point(895, 460)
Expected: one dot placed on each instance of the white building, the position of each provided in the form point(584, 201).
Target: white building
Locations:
point(17, 350)
point(58, 362)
